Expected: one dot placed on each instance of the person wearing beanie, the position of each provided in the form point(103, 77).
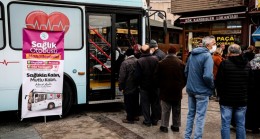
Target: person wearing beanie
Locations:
point(170, 77)
point(156, 51)
point(129, 86)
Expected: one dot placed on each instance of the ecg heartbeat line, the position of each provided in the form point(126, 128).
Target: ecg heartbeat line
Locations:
point(48, 25)
point(6, 63)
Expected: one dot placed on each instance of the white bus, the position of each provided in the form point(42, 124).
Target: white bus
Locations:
point(38, 100)
point(96, 31)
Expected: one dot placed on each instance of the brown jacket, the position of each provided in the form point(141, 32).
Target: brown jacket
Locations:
point(170, 78)
point(217, 59)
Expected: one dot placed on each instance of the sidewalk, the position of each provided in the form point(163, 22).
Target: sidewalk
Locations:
point(106, 124)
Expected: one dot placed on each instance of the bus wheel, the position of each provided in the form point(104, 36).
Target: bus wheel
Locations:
point(51, 106)
point(66, 98)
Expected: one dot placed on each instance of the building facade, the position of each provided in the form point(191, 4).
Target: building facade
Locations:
point(174, 34)
point(229, 21)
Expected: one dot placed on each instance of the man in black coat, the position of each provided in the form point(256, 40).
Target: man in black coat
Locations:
point(146, 65)
point(232, 83)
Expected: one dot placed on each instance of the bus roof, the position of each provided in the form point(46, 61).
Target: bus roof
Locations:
point(128, 3)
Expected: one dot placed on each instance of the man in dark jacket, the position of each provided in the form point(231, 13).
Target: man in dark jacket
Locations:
point(154, 50)
point(232, 82)
point(253, 111)
point(146, 65)
point(129, 86)
point(171, 80)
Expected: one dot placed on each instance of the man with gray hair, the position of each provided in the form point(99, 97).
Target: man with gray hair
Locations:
point(200, 85)
point(232, 82)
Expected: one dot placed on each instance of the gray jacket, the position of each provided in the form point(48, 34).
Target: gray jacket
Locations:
point(127, 80)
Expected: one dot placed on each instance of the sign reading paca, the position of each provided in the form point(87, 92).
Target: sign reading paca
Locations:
point(227, 40)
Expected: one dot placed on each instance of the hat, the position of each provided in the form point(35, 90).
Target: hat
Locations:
point(129, 52)
point(172, 50)
point(153, 44)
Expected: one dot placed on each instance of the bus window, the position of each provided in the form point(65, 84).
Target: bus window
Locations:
point(50, 18)
point(127, 35)
point(1, 27)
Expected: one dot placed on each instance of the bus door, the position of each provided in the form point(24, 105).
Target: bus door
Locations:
point(109, 36)
point(101, 56)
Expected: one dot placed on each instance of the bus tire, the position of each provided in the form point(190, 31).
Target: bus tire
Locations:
point(51, 106)
point(67, 98)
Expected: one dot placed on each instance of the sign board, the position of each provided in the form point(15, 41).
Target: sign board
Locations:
point(208, 18)
point(43, 57)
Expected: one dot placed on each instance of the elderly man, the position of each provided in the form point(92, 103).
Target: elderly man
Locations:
point(171, 80)
point(156, 51)
point(232, 83)
point(200, 86)
point(145, 69)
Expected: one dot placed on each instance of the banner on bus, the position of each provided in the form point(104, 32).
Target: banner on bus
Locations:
point(43, 63)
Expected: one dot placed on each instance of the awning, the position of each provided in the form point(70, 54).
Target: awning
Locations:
point(256, 35)
point(156, 23)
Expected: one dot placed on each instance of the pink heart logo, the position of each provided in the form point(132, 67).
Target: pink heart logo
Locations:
point(55, 21)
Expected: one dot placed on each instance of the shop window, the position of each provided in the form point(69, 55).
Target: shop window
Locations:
point(157, 35)
point(198, 26)
point(218, 25)
point(174, 38)
point(234, 24)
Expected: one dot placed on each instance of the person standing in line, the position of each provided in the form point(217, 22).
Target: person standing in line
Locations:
point(171, 80)
point(154, 49)
point(253, 113)
point(232, 83)
point(145, 69)
point(223, 47)
point(217, 59)
point(200, 85)
point(129, 86)
point(249, 54)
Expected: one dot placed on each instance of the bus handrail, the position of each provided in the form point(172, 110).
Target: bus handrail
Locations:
point(103, 52)
point(99, 62)
point(100, 36)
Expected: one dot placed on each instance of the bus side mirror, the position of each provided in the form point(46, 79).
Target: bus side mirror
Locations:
point(164, 27)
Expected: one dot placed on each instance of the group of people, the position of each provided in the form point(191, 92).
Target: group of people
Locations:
point(234, 78)
point(159, 79)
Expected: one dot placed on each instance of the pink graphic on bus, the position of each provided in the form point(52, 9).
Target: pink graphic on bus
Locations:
point(55, 21)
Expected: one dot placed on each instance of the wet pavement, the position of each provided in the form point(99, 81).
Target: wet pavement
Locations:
point(104, 122)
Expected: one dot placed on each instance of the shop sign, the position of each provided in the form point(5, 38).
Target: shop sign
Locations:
point(212, 17)
point(227, 40)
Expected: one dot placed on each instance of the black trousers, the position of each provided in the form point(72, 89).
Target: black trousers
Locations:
point(150, 104)
point(132, 107)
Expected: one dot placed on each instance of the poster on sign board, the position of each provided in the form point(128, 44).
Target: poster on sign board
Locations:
point(43, 62)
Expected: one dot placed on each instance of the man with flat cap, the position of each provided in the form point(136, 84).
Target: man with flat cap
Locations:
point(145, 68)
